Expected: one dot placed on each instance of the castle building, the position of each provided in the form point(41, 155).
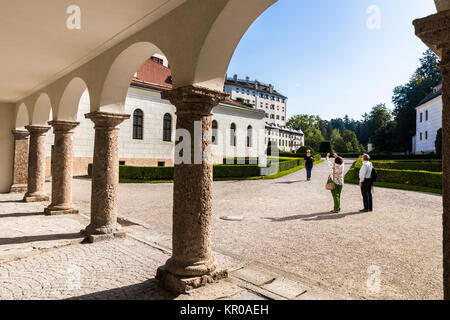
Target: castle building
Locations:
point(264, 97)
point(148, 138)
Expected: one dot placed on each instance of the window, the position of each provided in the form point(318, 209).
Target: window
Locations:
point(158, 60)
point(138, 124)
point(249, 136)
point(233, 135)
point(161, 164)
point(421, 116)
point(214, 132)
point(426, 135)
point(167, 127)
point(426, 115)
point(421, 136)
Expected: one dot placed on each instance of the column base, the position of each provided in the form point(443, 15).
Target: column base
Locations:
point(96, 234)
point(181, 285)
point(36, 197)
point(18, 188)
point(56, 211)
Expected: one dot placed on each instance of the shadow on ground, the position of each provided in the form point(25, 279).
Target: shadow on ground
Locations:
point(46, 237)
point(22, 214)
point(313, 216)
point(147, 290)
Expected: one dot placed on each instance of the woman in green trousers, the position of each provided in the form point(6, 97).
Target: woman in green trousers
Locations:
point(336, 176)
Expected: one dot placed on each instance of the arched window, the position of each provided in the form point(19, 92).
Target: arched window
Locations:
point(167, 127)
point(215, 127)
point(249, 136)
point(138, 124)
point(233, 135)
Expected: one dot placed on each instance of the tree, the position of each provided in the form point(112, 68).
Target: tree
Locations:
point(407, 97)
point(325, 147)
point(438, 142)
point(338, 144)
point(310, 127)
point(351, 141)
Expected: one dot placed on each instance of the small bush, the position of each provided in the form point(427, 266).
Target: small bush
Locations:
point(304, 149)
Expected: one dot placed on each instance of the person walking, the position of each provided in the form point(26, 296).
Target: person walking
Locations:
point(366, 183)
point(337, 177)
point(309, 163)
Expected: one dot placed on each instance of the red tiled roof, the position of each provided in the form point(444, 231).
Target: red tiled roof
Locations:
point(154, 73)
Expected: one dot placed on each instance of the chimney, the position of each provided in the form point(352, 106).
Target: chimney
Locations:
point(256, 85)
point(247, 79)
point(270, 88)
point(235, 78)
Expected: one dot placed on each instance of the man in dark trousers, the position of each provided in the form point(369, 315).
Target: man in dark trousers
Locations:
point(365, 182)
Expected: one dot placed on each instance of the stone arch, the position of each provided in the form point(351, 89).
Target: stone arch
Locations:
point(22, 117)
point(221, 42)
point(42, 110)
point(70, 100)
point(121, 73)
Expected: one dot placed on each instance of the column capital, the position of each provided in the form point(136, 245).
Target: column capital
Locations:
point(194, 99)
point(37, 129)
point(106, 120)
point(434, 31)
point(20, 134)
point(63, 126)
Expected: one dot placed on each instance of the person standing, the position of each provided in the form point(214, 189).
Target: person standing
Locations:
point(309, 163)
point(337, 176)
point(366, 183)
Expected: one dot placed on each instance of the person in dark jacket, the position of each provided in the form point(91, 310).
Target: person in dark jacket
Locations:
point(309, 163)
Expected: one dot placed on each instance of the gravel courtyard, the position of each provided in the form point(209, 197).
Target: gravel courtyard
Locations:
point(286, 226)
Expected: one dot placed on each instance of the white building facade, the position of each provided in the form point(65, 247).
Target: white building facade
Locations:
point(428, 122)
point(148, 138)
point(264, 97)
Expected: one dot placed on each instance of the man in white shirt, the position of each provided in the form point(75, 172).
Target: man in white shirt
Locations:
point(365, 182)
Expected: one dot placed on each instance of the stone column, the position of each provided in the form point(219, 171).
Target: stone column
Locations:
point(191, 264)
point(434, 31)
point(20, 166)
point(36, 165)
point(105, 177)
point(62, 168)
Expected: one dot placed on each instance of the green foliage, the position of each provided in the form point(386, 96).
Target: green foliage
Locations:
point(438, 142)
point(338, 142)
point(304, 149)
point(418, 178)
point(406, 97)
point(325, 147)
point(235, 171)
point(432, 166)
point(384, 156)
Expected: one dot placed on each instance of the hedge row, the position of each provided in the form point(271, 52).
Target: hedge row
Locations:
point(407, 177)
point(405, 157)
point(323, 155)
point(219, 171)
point(433, 166)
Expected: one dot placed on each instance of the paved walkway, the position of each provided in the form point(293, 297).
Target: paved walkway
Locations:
point(287, 245)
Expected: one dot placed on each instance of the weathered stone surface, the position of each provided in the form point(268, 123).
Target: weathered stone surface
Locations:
point(255, 275)
point(285, 288)
point(62, 168)
point(192, 197)
point(20, 166)
point(36, 164)
point(180, 285)
point(434, 31)
point(105, 173)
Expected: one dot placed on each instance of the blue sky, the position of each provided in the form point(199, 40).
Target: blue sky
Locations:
point(324, 58)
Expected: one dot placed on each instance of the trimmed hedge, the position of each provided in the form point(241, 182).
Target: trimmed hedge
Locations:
point(219, 171)
point(235, 171)
point(405, 157)
point(433, 166)
point(407, 177)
